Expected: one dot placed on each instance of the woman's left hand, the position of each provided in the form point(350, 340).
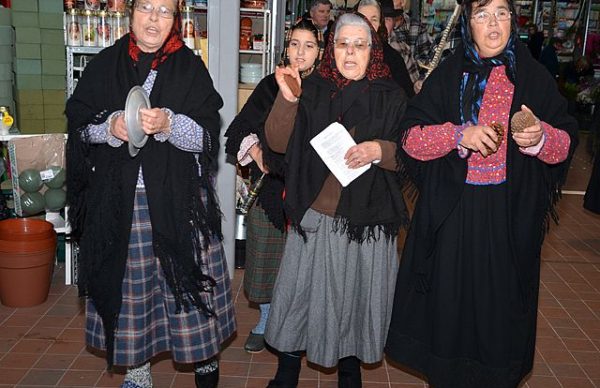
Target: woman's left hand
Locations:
point(530, 136)
point(363, 154)
point(154, 120)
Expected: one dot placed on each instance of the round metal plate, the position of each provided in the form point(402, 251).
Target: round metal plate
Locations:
point(133, 150)
point(136, 99)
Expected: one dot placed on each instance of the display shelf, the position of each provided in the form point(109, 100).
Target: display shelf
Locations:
point(77, 59)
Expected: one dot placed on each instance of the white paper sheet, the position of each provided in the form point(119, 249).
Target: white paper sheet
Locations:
point(332, 144)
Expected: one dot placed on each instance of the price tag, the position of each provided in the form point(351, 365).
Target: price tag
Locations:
point(47, 175)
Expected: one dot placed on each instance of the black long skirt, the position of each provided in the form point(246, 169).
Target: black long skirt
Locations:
point(472, 328)
point(591, 201)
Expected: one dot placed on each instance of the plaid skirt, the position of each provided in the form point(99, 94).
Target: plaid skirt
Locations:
point(148, 324)
point(264, 249)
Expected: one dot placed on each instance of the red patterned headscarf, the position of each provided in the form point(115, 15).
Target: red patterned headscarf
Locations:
point(171, 45)
point(376, 68)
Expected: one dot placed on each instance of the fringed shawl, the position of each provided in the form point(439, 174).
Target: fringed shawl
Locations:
point(371, 206)
point(102, 180)
point(533, 186)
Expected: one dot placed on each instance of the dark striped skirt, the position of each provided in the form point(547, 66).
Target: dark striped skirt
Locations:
point(264, 248)
point(148, 324)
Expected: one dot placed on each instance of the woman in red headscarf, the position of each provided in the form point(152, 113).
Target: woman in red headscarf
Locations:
point(146, 220)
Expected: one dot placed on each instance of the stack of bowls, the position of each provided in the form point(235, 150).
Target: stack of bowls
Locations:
point(250, 73)
point(27, 252)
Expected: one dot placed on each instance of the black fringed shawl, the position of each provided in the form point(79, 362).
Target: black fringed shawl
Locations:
point(533, 186)
point(102, 181)
point(251, 119)
point(372, 203)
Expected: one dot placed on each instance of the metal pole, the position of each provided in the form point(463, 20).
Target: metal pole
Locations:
point(223, 64)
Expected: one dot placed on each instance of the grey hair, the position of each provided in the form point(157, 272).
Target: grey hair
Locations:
point(364, 3)
point(351, 19)
point(316, 3)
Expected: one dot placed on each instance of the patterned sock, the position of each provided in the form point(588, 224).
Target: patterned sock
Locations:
point(264, 315)
point(138, 377)
point(206, 367)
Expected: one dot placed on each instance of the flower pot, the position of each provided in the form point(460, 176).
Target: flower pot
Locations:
point(27, 253)
point(25, 277)
point(25, 229)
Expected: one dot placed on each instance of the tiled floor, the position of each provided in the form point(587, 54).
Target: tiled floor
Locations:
point(43, 345)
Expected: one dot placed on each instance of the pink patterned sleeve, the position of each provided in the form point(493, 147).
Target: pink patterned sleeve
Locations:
point(555, 148)
point(432, 141)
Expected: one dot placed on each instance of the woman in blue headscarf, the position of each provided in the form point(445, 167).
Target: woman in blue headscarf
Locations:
point(465, 306)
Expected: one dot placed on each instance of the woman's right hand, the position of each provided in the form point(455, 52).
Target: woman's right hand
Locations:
point(477, 137)
point(283, 87)
point(118, 128)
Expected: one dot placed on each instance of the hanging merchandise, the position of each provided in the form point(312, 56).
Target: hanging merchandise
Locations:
point(92, 5)
point(245, 33)
point(188, 28)
point(104, 29)
point(119, 25)
point(115, 5)
point(73, 28)
point(88, 23)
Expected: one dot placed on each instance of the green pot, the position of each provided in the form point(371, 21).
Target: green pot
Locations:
point(30, 180)
point(32, 203)
point(55, 199)
point(59, 178)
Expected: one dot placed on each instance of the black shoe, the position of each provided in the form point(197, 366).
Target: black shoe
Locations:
point(255, 343)
point(209, 380)
point(275, 384)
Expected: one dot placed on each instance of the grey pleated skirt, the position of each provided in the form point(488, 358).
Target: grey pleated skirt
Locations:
point(333, 298)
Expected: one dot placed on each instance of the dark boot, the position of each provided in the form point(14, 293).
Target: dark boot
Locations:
point(206, 373)
point(288, 371)
point(210, 380)
point(349, 373)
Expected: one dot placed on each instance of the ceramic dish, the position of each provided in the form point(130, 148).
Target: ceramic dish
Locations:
point(136, 99)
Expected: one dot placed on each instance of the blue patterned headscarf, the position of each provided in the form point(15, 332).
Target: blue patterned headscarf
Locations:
point(477, 70)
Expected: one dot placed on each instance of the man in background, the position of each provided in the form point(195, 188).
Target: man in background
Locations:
point(320, 14)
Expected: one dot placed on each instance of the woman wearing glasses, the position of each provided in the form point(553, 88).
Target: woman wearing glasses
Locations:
point(333, 294)
point(266, 222)
point(466, 296)
point(151, 262)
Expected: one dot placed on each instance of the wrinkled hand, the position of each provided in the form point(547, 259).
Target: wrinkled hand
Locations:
point(363, 154)
point(154, 120)
point(283, 87)
point(476, 138)
point(530, 136)
point(256, 153)
point(118, 128)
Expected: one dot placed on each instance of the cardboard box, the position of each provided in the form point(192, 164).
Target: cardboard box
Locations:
point(6, 72)
point(56, 125)
point(30, 127)
point(54, 112)
point(54, 82)
point(6, 54)
point(51, 20)
point(27, 66)
point(30, 111)
point(29, 96)
point(7, 35)
point(5, 17)
point(54, 67)
point(50, 36)
point(28, 51)
point(51, 6)
point(27, 35)
point(25, 19)
point(6, 88)
point(53, 51)
point(54, 96)
point(26, 5)
point(28, 82)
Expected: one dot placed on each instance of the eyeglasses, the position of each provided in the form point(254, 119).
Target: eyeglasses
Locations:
point(501, 15)
point(163, 11)
point(358, 44)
